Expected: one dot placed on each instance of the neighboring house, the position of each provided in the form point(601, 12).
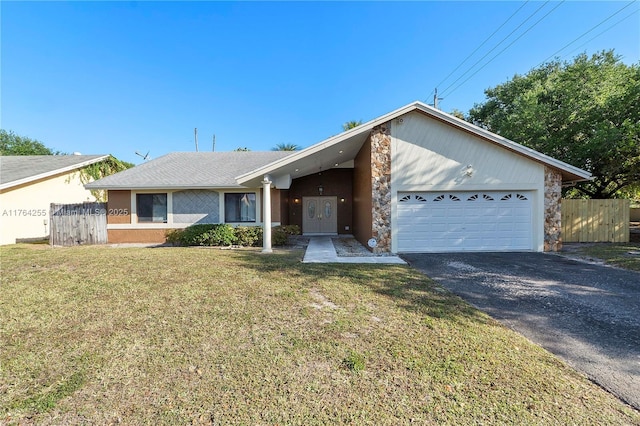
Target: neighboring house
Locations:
point(30, 183)
point(413, 180)
point(181, 189)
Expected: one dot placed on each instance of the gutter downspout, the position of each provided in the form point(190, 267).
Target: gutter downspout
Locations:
point(266, 215)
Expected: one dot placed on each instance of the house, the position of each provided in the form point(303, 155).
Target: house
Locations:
point(413, 180)
point(30, 183)
point(182, 189)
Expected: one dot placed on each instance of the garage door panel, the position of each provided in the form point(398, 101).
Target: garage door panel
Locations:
point(464, 221)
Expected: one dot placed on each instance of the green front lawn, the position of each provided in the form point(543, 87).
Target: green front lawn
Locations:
point(101, 335)
point(622, 255)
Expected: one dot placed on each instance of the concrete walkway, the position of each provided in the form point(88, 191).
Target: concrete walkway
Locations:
point(321, 250)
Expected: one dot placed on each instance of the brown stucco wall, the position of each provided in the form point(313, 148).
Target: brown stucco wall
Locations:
point(119, 207)
point(117, 236)
point(275, 205)
point(362, 200)
point(284, 207)
point(335, 182)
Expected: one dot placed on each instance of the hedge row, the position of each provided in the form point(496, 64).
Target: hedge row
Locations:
point(225, 235)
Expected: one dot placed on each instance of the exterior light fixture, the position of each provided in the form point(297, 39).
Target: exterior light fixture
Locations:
point(469, 170)
point(296, 200)
point(320, 189)
point(342, 200)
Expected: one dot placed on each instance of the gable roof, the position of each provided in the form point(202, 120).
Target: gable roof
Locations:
point(189, 170)
point(334, 151)
point(21, 169)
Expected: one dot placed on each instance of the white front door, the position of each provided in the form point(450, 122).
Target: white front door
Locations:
point(319, 215)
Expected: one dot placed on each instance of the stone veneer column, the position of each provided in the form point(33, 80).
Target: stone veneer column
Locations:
point(381, 187)
point(552, 213)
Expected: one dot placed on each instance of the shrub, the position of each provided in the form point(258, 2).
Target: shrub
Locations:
point(221, 235)
point(290, 229)
point(224, 235)
point(250, 236)
point(174, 237)
point(278, 236)
point(202, 235)
point(196, 235)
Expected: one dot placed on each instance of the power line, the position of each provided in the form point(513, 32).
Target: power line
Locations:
point(499, 53)
point(602, 32)
point(593, 28)
point(497, 45)
point(481, 44)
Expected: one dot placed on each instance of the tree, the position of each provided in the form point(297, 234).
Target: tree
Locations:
point(104, 168)
point(286, 147)
point(585, 113)
point(351, 124)
point(12, 144)
point(458, 114)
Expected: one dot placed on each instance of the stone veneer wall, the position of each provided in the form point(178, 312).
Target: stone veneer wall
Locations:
point(381, 187)
point(552, 213)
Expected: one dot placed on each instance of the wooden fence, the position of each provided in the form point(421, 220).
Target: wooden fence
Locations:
point(592, 221)
point(76, 224)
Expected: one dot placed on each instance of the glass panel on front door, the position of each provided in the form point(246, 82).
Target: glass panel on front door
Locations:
point(327, 209)
point(311, 209)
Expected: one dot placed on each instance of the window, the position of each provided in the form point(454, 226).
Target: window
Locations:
point(240, 207)
point(152, 207)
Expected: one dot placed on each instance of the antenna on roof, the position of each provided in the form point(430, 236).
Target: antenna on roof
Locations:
point(195, 132)
point(213, 148)
point(144, 157)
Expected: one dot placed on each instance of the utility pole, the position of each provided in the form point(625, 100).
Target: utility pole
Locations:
point(195, 134)
point(214, 143)
point(436, 98)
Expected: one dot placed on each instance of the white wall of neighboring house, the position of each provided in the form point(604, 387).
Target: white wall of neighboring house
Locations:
point(24, 210)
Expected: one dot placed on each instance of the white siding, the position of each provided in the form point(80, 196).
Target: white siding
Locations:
point(428, 155)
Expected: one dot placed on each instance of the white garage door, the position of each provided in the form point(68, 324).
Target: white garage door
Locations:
point(464, 221)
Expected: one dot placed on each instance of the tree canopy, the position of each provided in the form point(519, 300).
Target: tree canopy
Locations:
point(106, 167)
point(585, 113)
point(351, 124)
point(286, 147)
point(12, 144)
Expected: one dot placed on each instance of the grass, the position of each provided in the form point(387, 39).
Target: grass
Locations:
point(99, 335)
point(622, 255)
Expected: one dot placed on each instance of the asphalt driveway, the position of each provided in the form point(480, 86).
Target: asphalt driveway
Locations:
point(588, 315)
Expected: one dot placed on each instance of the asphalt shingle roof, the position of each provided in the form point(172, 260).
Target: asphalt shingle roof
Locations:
point(190, 170)
point(15, 169)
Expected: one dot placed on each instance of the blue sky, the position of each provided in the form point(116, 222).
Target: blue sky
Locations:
point(120, 77)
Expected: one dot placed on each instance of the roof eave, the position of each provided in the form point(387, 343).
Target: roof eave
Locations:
point(327, 143)
point(162, 187)
point(53, 172)
point(572, 173)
